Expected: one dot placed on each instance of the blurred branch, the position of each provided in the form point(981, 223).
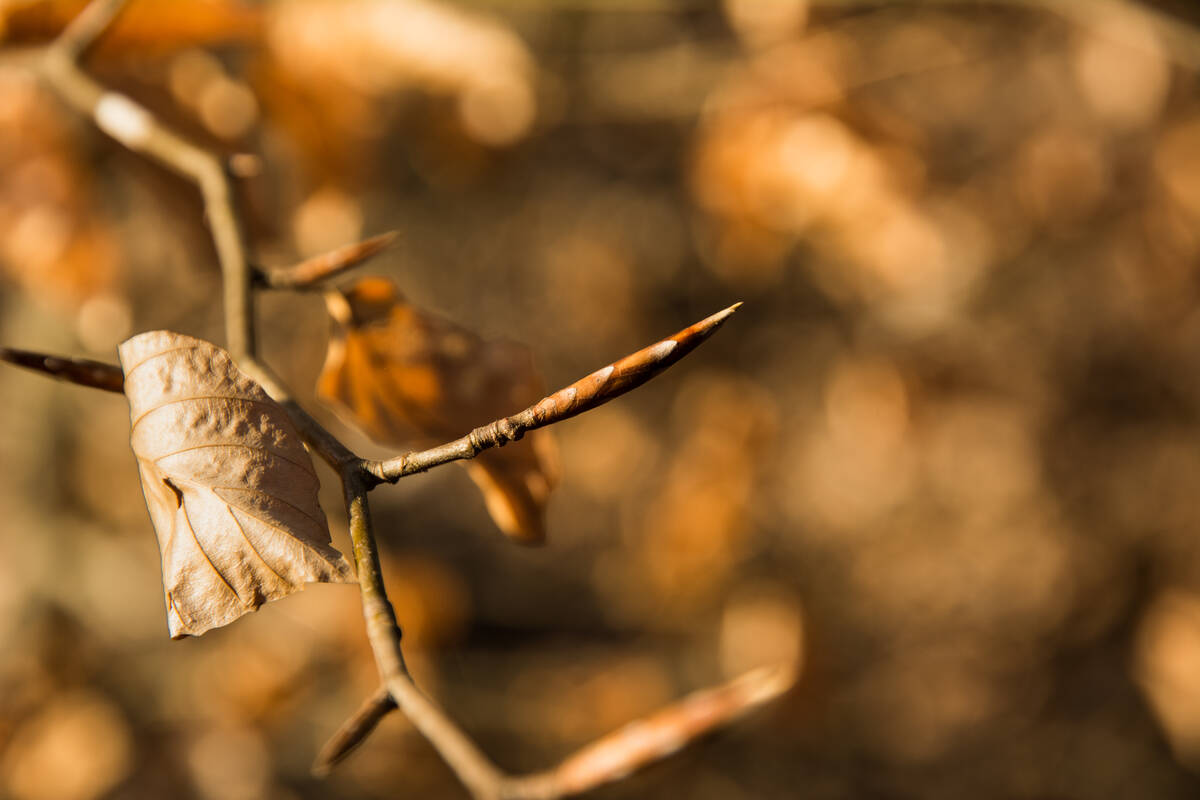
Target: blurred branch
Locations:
point(82, 371)
point(651, 738)
point(85, 29)
point(325, 266)
point(607, 759)
point(354, 731)
point(585, 394)
point(134, 126)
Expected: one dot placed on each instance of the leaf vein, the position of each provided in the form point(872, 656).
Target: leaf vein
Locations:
point(267, 402)
point(192, 530)
point(254, 550)
point(161, 353)
point(306, 467)
point(318, 522)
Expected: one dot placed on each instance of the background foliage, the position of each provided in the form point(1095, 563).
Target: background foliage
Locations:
point(947, 451)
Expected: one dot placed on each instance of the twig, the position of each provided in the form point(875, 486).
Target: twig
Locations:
point(655, 737)
point(87, 27)
point(468, 762)
point(134, 126)
point(608, 759)
point(325, 266)
point(82, 371)
point(585, 394)
point(354, 731)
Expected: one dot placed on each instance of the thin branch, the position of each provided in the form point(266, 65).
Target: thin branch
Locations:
point(87, 27)
point(325, 266)
point(134, 126)
point(653, 738)
point(139, 130)
point(82, 371)
point(354, 731)
point(595, 390)
point(468, 762)
point(607, 759)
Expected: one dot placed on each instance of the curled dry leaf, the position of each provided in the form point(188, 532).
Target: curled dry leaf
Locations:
point(401, 374)
point(231, 489)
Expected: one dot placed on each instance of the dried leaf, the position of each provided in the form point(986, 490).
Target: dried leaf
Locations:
point(231, 489)
point(401, 374)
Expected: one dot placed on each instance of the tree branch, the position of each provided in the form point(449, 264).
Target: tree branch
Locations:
point(134, 126)
point(82, 371)
point(96, 18)
point(653, 738)
point(354, 731)
point(585, 394)
point(606, 760)
point(325, 266)
point(468, 762)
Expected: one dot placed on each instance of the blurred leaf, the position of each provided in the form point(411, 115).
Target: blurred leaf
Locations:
point(230, 488)
point(56, 240)
point(402, 374)
point(148, 25)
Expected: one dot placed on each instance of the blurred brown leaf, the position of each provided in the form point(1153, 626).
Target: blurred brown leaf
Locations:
point(402, 374)
point(230, 488)
point(149, 25)
point(56, 242)
point(374, 48)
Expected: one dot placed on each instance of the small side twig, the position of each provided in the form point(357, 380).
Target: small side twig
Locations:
point(653, 738)
point(321, 268)
point(354, 731)
point(82, 371)
point(585, 394)
point(86, 28)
